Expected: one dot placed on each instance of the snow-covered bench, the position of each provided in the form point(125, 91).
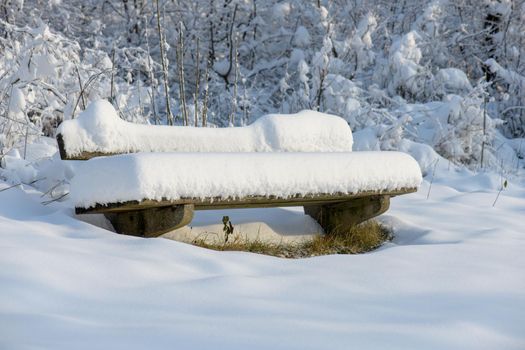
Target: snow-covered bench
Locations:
point(154, 177)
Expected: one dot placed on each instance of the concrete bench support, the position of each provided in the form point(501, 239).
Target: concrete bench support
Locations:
point(335, 213)
point(340, 217)
point(151, 222)
point(333, 217)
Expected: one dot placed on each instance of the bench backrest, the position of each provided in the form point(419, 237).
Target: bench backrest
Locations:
point(99, 131)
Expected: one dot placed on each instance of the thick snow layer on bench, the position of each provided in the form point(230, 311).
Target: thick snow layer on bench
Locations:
point(173, 176)
point(99, 129)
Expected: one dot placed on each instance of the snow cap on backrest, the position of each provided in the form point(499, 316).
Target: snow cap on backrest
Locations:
point(306, 131)
point(99, 129)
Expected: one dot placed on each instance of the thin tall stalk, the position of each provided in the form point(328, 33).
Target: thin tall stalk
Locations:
point(150, 74)
point(82, 98)
point(169, 114)
point(245, 102)
point(112, 89)
point(25, 139)
point(432, 178)
point(197, 78)
point(484, 129)
point(139, 91)
point(206, 88)
point(180, 62)
point(235, 81)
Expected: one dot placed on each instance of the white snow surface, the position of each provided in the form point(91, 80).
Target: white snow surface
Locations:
point(198, 175)
point(452, 278)
point(99, 129)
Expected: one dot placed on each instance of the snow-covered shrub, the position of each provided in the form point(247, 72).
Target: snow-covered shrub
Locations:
point(39, 81)
point(342, 97)
point(46, 78)
point(361, 42)
point(451, 81)
point(462, 135)
point(431, 27)
point(363, 60)
point(356, 49)
point(458, 128)
point(403, 75)
point(320, 66)
point(509, 88)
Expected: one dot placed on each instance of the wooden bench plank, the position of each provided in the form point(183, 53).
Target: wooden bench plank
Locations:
point(334, 213)
point(236, 203)
point(82, 155)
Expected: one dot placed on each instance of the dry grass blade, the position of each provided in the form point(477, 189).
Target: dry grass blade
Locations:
point(9, 187)
point(55, 199)
point(360, 239)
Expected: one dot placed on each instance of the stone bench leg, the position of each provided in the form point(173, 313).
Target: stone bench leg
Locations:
point(151, 222)
point(340, 217)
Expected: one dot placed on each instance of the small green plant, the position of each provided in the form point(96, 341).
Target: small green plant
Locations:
point(227, 229)
point(503, 186)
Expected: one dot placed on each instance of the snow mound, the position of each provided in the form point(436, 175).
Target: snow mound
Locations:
point(453, 80)
point(172, 176)
point(99, 129)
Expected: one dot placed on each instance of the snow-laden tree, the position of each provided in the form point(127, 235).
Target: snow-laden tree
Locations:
point(230, 61)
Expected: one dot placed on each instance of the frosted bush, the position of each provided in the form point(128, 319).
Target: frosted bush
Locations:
point(361, 42)
point(372, 62)
point(301, 37)
point(509, 87)
point(40, 83)
point(451, 80)
point(405, 76)
point(463, 135)
point(342, 97)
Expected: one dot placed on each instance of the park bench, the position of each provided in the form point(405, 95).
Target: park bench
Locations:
point(148, 180)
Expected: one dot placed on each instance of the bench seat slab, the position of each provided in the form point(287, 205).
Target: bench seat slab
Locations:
point(239, 203)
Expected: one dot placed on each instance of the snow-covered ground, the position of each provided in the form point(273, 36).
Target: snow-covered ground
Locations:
point(452, 278)
point(440, 80)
